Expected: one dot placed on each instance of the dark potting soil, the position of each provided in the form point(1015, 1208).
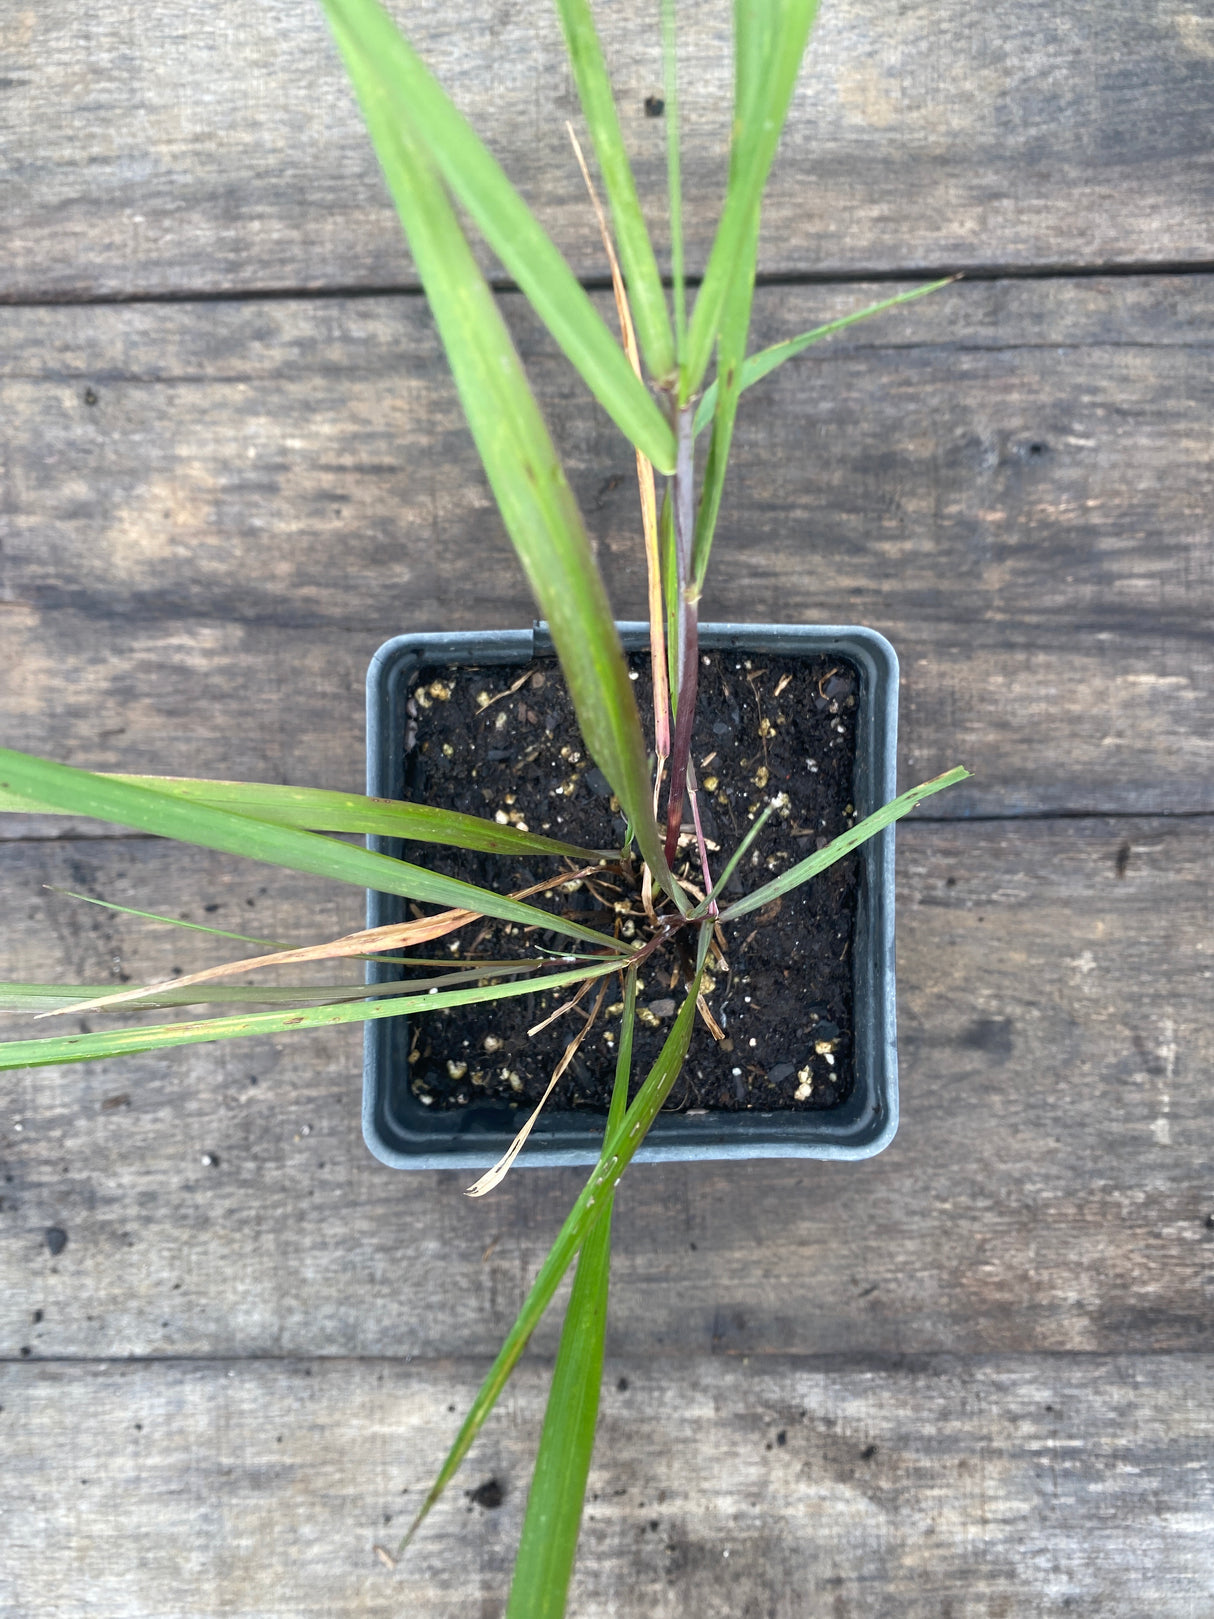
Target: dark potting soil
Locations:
point(503, 742)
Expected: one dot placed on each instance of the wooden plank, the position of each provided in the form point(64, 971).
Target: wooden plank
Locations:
point(180, 697)
point(1121, 724)
point(1012, 480)
point(1048, 1191)
point(1074, 1485)
point(205, 147)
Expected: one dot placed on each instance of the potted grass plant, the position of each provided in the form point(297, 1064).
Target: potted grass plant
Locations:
point(671, 382)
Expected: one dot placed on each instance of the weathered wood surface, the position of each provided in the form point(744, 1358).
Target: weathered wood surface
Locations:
point(211, 146)
point(1078, 1486)
point(1049, 1190)
point(987, 1350)
point(1013, 480)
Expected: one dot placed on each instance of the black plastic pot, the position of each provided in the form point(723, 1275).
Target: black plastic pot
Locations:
point(403, 1133)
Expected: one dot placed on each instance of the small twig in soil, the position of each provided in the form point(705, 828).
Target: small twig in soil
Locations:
point(758, 697)
point(714, 1028)
point(693, 794)
point(568, 1006)
point(509, 692)
point(557, 881)
point(497, 1174)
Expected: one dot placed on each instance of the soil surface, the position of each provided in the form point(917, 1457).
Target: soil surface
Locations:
point(501, 741)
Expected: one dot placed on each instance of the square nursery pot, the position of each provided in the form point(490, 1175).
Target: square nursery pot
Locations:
point(403, 1133)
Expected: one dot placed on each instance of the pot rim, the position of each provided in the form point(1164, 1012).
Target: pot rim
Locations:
point(402, 1134)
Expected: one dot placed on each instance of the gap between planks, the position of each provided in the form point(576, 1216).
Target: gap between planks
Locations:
point(903, 274)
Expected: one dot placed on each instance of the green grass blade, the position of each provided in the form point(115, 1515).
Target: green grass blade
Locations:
point(317, 809)
point(623, 1061)
point(162, 1036)
point(536, 503)
point(554, 1506)
point(844, 844)
point(618, 1150)
point(757, 127)
point(38, 998)
point(674, 181)
point(756, 25)
point(382, 63)
point(757, 366)
point(169, 921)
point(241, 938)
point(754, 44)
point(105, 798)
point(51, 997)
point(546, 1551)
point(645, 291)
point(731, 352)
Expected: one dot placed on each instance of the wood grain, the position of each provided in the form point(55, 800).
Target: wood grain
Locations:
point(1012, 480)
point(209, 146)
point(1078, 1486)
point(1048, 1191)
point(969, 1379)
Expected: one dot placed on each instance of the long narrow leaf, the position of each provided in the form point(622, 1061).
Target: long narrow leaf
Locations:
point(244, 938)
point(382, 62)
point(645, 484)
point(39, 998)
point(682, 500)
point(618, 1150)
point(548, 1546)
point(674, 179)
point(558, 1487)
point(365, 945)
point(757, 366)
point(623, 1062)
point(756, 133)
point(105, 798)
point(161, 1036)
point(756, 38)
point(536, 503)
point(668, 553)
point(169, 921)
point(317, 809)
point(843, 844)
point(731, 350)
point(754, 45)
point(645, 291)
point(359, 946)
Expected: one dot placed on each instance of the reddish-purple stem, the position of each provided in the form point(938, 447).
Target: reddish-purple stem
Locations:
point(680, 749)
point(682, 494)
